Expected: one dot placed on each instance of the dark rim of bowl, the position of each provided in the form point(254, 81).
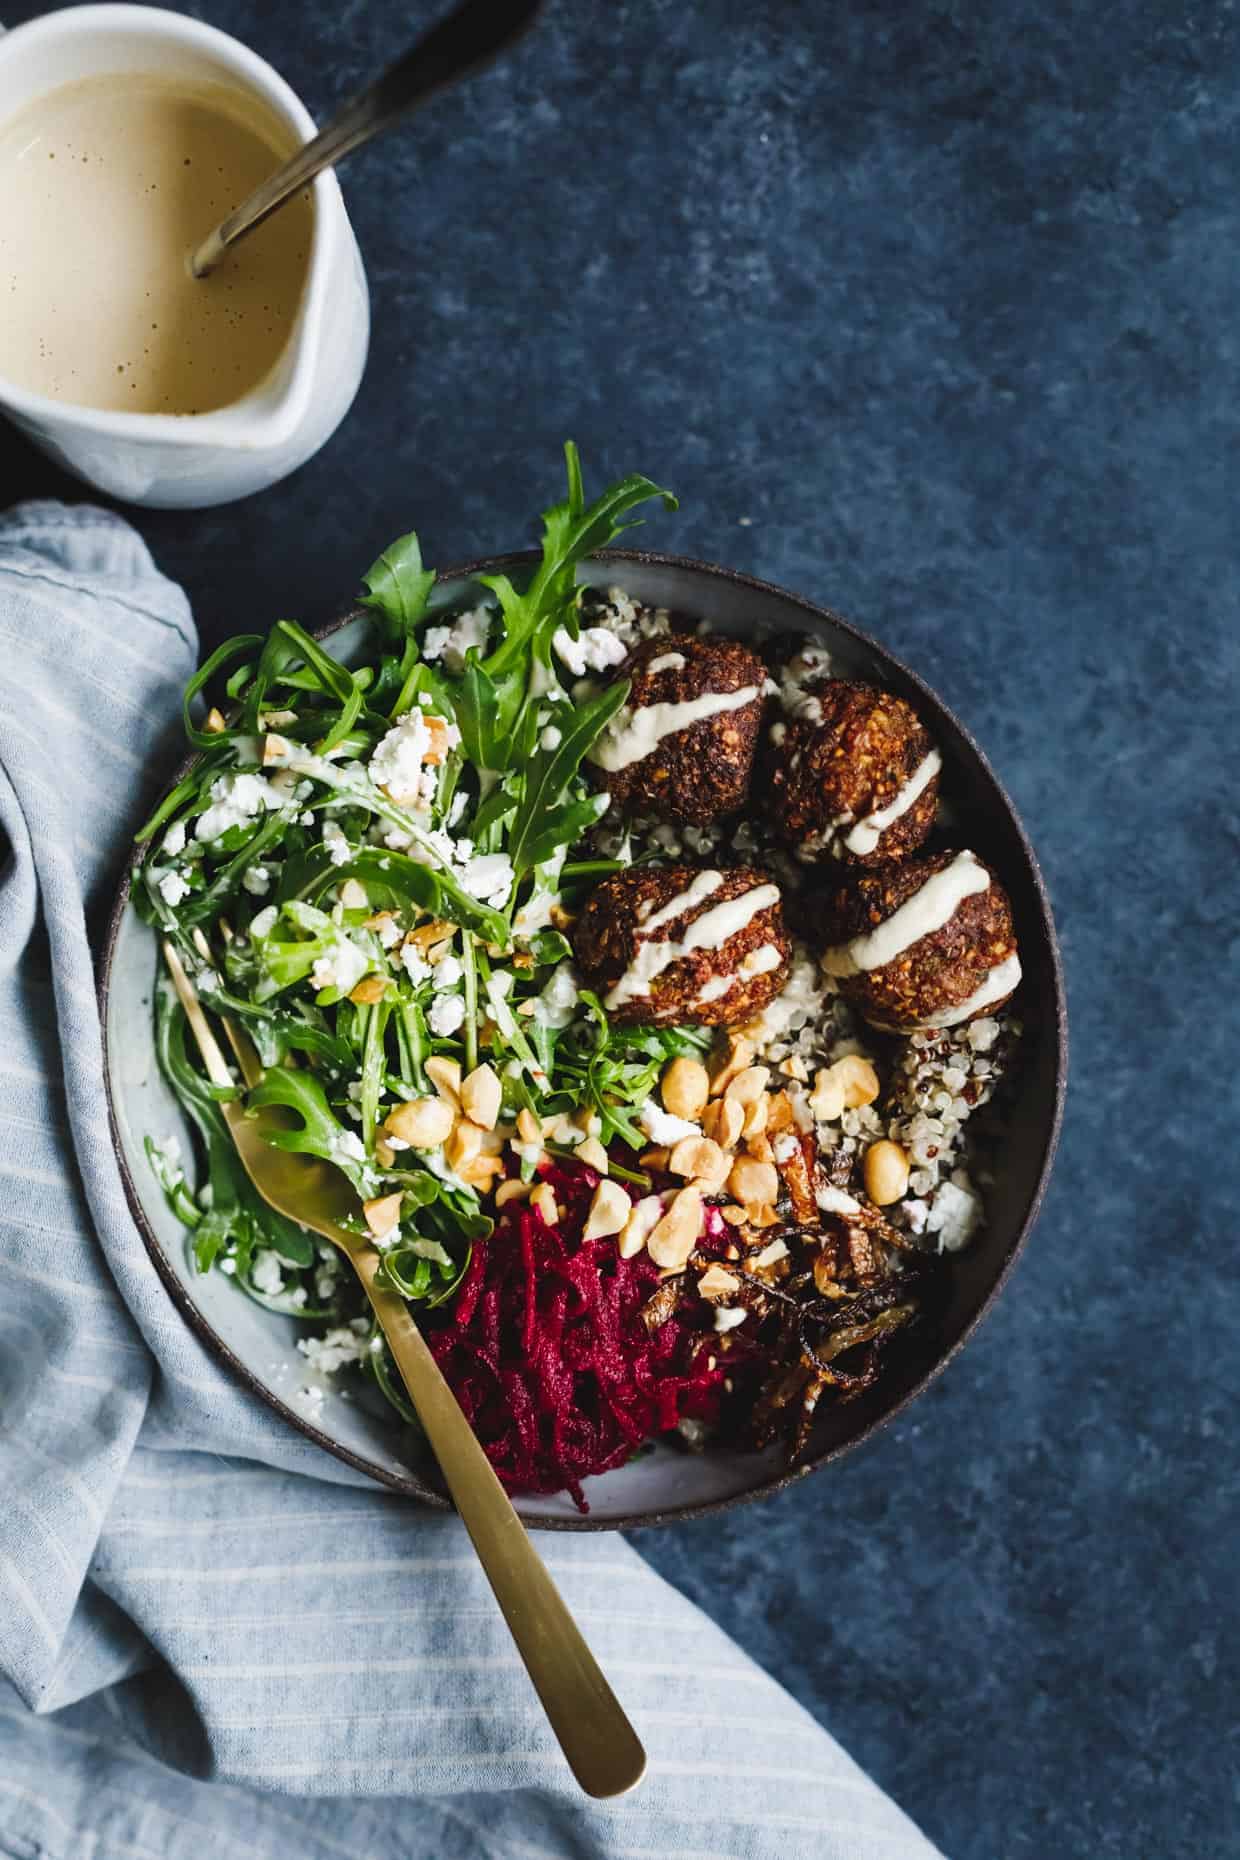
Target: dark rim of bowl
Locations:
point(408, 1483)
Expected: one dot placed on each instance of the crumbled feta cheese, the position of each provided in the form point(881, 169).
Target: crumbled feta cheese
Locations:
point(594, 650)
point(727, 1317)
point(263, 922)
point(447, 1012)
point(434, 847)
point(488, 877)
point(331, 1351)
point(257, 880)
point(446, 974)
point(172, 888)
point(265, 1273)
point(451, 643)
point(785, 1147)
point(551, 738)
point(535, 913)
point(389, 932)
point(662, 1127)
point(336, 842)
point(174, 840)
point(915, 1213)
point(414, 963)
point(629, 620)
point(556, 1004)
point(954, 1214)
point(234, 799)
point(398, 764)
point(349, 1147)
point(342, 967)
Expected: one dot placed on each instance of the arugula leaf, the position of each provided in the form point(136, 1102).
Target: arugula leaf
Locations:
point(288, 647)
point(475, 703)
point(398, 586)
point(320, 1132)
point(570, 532)
point(561, 826)
point(222, 656)
point(235, 1215)
point(538, 828)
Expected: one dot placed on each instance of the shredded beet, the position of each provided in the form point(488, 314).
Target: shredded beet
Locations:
point(546, 1351)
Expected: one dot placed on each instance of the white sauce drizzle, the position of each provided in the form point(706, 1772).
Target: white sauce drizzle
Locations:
point(703, 885)
point(710, 931)
point(934, 905)
point(999, 983)
point(667, 662)
point(758, 962)
point(633, 734)
point(865, 835)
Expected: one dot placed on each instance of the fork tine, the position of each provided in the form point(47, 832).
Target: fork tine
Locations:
point(247, 1054)
point(243, 1047)
point(212, 1058)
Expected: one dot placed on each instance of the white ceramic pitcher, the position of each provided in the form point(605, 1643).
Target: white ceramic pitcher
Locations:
point(175, 461)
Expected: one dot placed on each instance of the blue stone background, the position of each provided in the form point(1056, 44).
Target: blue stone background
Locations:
point(929, 312)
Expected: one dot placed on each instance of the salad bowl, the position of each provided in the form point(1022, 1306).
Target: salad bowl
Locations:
point(663, 1483)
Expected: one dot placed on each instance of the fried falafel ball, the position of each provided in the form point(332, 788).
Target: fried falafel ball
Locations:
point(853, 774)
point(683, 746)
point(664, 944)
point(926, 944)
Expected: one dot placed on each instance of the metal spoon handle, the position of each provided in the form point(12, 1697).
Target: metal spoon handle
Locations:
point(463, 42)
point(602, 1748)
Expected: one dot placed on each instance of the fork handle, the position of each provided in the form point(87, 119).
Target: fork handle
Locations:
point(601, 1746)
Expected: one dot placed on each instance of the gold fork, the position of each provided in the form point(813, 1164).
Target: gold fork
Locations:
point(601, 1746)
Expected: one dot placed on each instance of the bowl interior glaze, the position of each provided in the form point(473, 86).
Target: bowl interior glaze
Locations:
point(666, 1484)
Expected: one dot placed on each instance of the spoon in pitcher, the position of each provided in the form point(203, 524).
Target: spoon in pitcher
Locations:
point(477, 32)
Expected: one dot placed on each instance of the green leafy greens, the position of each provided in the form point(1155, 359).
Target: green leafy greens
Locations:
point(374, 854)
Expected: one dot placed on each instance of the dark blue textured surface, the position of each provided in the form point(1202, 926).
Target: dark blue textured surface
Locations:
point(930, 314)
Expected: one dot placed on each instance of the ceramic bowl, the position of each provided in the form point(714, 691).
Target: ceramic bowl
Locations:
point(666, 1484)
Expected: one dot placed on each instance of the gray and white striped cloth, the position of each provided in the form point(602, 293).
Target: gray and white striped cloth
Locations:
point(215, 1638)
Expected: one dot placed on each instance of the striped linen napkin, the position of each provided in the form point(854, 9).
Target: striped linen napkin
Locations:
point(214, 1637)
